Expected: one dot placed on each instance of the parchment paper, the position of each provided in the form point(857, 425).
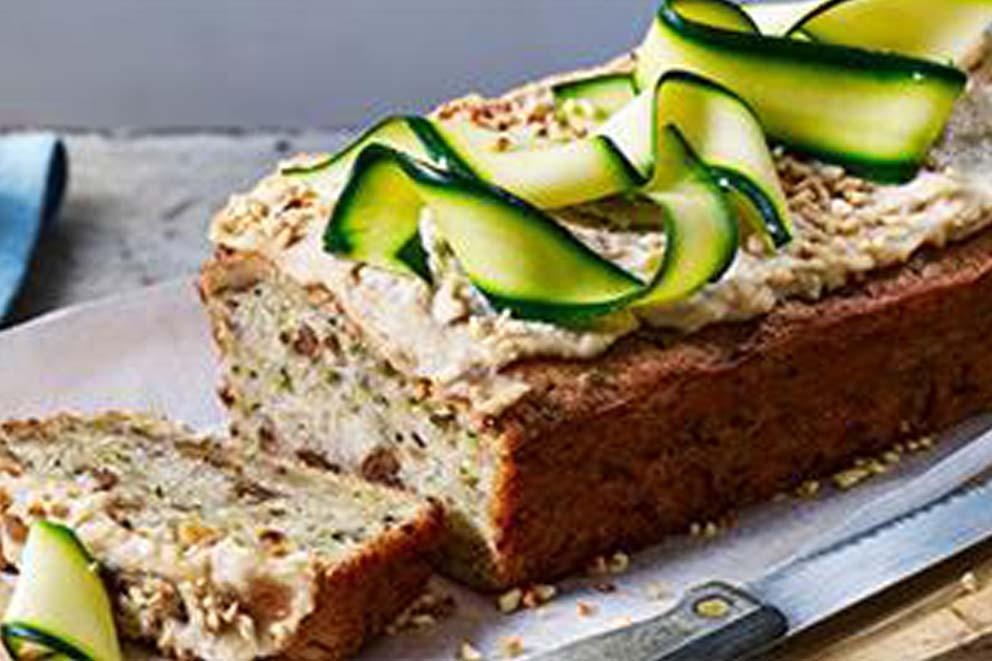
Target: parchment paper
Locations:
point(151, 350)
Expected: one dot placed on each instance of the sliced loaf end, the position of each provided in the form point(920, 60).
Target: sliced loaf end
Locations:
point(212, 554)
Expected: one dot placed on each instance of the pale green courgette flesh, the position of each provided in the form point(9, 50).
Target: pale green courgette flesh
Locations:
point(722, 130)
point(377, 214)
point(876, 113)
point(700, 227)
point(59, 603)
point(941, 30)
point(550, 178)
point(607, 92)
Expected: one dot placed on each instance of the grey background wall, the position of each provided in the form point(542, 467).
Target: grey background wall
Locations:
point(285, 63)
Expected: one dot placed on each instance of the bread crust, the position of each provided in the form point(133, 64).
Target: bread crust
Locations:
point(358, 598)
point(661, 432)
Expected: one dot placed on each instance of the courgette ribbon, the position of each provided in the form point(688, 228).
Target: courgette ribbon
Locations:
point(518, 256)
point(868, 84)
point(59, 608)
point(712, 85)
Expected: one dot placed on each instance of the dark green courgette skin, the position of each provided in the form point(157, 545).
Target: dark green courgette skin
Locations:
point(776, 226)
point(14, 631)
point(302, 170)
point(441, 152)
point(888, 67)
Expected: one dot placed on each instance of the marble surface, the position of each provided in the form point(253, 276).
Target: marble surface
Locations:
point(137, 209)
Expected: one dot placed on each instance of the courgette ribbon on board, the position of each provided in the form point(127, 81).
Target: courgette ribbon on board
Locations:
point(514, 253)
point(59, 608)
point(868, 84)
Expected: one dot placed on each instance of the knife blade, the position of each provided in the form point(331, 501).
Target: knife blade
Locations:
point(718, 621)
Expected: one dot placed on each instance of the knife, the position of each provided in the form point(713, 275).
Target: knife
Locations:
point(722, 622)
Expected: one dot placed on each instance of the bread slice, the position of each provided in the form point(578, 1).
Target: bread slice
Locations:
point(214, 555)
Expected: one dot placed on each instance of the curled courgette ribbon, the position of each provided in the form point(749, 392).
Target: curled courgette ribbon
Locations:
point(865, 83)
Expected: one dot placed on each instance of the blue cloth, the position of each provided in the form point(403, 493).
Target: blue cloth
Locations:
point(33, 174)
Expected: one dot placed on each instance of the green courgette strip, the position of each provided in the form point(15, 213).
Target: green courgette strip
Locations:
point(741, 161)
point(410, 134)
point(942, 30)
point(876, 113)
point(722, 130)
point(59, 607)
point(555, 177)
point(517, 256)
point(608, 92)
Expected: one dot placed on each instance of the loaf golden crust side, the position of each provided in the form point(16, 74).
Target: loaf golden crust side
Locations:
point(663, 432)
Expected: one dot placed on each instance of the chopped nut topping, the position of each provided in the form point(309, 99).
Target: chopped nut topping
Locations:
point(275, 542)
point(537, 595)
point(194, 533)
point(619, 562)
point(426, 611)
point(970, 582)
point(467, 652)
point(509, 601)
point(511, 646)
point(585, 609)
point(808, 489)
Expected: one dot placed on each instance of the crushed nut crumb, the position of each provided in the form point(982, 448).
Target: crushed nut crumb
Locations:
point(808, 489)
point(511, 646)
point(468, 652)
point(656, 590)
point(970, 582)
point(428, 609)
point(509, 601)
point(537, 595)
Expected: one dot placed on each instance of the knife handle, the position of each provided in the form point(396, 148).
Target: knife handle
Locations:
point(712, 622)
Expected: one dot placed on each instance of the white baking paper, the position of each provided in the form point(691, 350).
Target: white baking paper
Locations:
point(151, 350)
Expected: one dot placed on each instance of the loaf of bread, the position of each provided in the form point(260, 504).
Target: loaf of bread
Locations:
point(548, 445)
point(213, 555)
